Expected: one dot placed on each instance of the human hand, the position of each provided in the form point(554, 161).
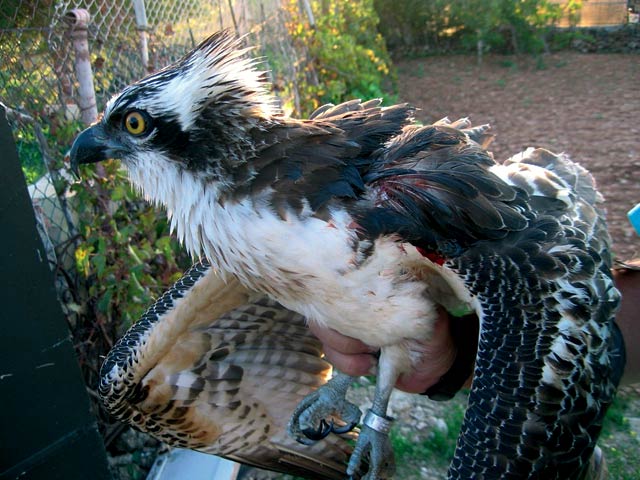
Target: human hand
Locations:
point(353, 357)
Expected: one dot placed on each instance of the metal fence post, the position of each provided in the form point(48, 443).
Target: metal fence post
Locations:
point(142, 27)
point(78, 20)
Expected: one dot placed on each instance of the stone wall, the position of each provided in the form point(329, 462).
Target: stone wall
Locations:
point(623, 39)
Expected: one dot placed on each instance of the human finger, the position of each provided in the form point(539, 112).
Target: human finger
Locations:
point(351, 364)
point(338, 342)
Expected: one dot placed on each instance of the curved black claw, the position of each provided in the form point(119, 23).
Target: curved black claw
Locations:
point(344, 429)
point(321, 432)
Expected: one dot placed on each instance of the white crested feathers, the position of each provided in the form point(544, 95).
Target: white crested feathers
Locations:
point(219, 66)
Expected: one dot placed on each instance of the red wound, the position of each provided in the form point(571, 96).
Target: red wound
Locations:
point(433, 256)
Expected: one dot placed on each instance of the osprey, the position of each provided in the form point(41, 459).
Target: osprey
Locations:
point(363, 221)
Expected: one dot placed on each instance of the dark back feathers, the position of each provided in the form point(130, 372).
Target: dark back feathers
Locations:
point(324, 157)
point(437, 181)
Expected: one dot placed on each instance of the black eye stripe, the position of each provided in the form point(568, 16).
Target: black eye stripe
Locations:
point(170, 137)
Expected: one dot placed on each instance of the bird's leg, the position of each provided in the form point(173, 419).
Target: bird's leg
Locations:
point(374, 436)
point(308, 423)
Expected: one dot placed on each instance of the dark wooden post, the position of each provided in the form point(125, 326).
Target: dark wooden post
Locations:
point(47, 430)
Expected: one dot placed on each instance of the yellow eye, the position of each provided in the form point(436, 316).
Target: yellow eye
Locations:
point(136, 123)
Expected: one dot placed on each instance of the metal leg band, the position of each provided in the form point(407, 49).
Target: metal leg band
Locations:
point(377, 423)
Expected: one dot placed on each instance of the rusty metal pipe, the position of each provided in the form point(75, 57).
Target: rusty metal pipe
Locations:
point(78, 21)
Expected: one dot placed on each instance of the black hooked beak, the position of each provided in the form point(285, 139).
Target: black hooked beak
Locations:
point(87, 148)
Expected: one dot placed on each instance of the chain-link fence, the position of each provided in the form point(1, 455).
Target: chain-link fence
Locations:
point(127, 40)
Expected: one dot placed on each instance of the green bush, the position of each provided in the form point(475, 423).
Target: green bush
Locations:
point(127, 256)
point(503, 26)
point(347, 55)
point(421, 25)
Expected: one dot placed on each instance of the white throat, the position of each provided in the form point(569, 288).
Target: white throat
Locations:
point(245, 237)
point(181, 192)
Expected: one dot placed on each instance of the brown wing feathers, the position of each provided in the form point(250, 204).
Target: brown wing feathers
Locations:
point(220, 378)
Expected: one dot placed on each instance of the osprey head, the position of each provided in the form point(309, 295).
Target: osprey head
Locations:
point(195, 115)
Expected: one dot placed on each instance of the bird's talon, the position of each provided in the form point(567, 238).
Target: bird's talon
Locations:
point(375, 445)
point(321, 432)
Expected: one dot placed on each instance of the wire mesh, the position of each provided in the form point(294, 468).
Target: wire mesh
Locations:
point(39, 86)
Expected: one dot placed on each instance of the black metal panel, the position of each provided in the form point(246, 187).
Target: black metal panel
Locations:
point(46, 427)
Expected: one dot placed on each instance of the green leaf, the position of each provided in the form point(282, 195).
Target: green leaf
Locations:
point(99, 261)
point(104, 304)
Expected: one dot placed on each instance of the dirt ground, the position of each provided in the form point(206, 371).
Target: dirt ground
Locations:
point(586, 105)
